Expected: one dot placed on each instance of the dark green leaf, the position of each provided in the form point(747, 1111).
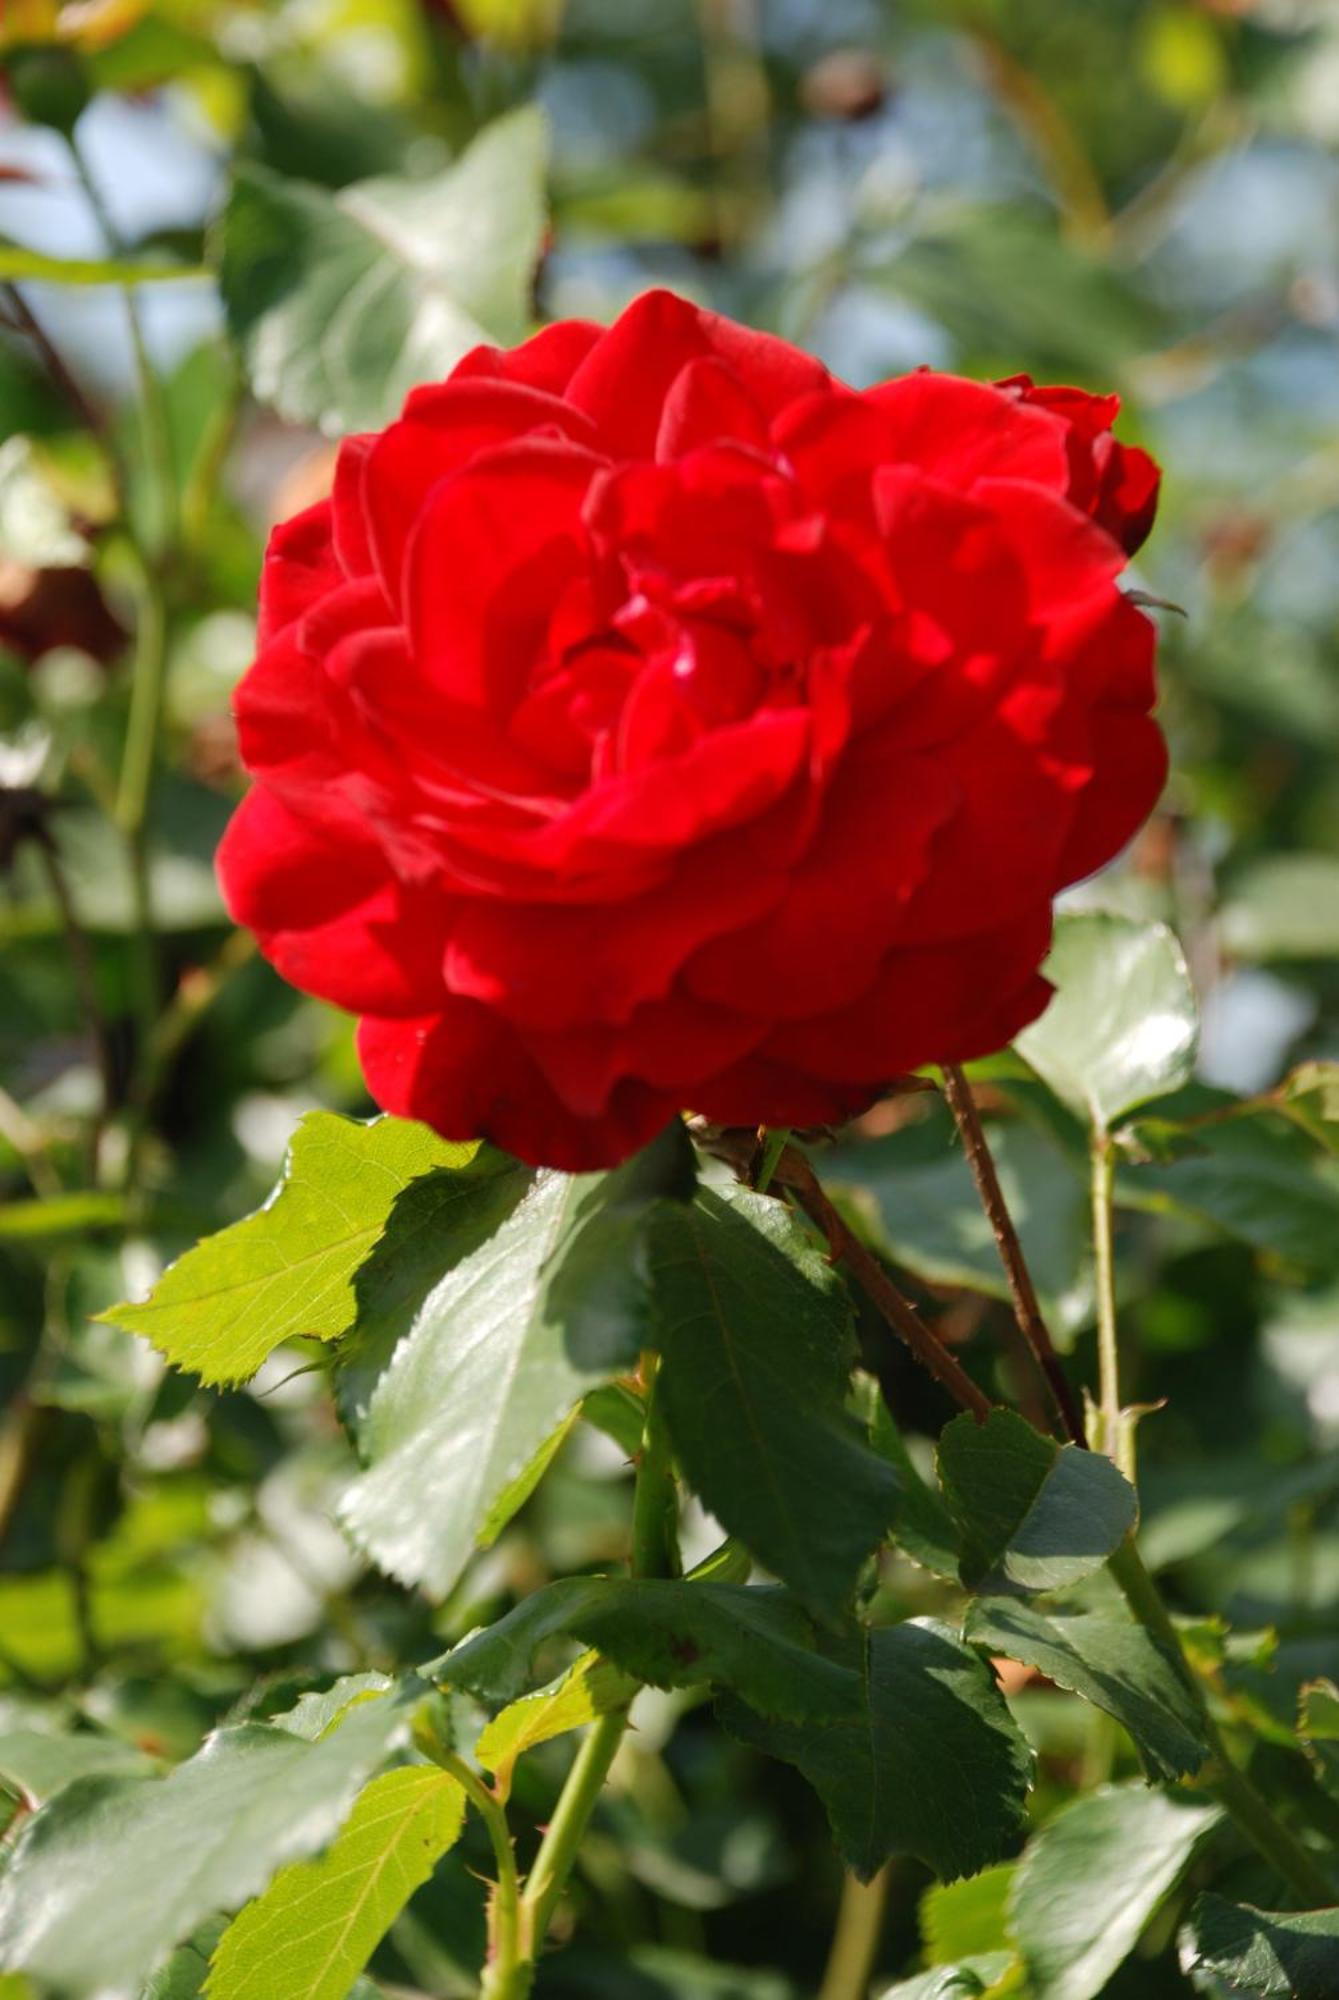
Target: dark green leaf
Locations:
point(754, 1330)
point(756, 1641)
point(1034, 1514)
point(922, 1525)
point(924, 1760)
point(1111, 1662)
point(1277, 1954)
point(1092, 1878)
point(343, 302)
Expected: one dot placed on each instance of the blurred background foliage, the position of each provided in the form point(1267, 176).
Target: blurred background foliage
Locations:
point(1131, 194)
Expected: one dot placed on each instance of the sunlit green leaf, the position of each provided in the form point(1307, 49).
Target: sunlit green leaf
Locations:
point(343, 302)
point(116, 1870)
point(1122, 1027)
point(319, 1921)
point(289, 1269)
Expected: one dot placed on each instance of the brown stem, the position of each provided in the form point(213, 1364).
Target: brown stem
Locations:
point(794, 1173)
point(1027, 1311)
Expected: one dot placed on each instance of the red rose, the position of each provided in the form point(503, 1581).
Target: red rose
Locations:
point(649, 721)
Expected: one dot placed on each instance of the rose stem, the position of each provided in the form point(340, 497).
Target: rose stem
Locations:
point(1027, 1312)
point(1254, 1817)
point(654, 1553)
point(794, 1173)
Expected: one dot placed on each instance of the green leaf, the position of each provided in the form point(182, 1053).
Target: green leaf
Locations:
point(19, 265)
point(115, 1871)
point(1258, 1179)
point(970, 1979)
point(590, 1687)
point(1122, 1027)
point(755, 1332)
point(311, 1933)
point(343, 302)
point(289, 1268)
point(960, 1920)
point(922, 1525)
point(40, 1763)
point(1277, 1954)
point(922, 1712)
point(1283, 906)
point(490, 1369)
point(441, 1219)
point(1034, 1514)
point(1111, 1662)
point(1090, 1881)
point(754, 1640)
point(1318, 1727)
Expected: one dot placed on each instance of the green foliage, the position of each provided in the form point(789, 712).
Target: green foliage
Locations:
point(317, 1924)
point(289, 1269)
point(460, 1425)
point(1034, 1515)
point(342, 303)
point(1279, 1955)
point(202, 1673)
point(1092, 1879)
point(917, 1707)
point(118, 1869)
point(1122, 1026)
point(756, 1642)
point(1113, 1663)
point(753, 1328)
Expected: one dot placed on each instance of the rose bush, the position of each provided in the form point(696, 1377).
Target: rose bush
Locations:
point(649, 721)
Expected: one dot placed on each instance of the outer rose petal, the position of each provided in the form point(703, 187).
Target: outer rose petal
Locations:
point(1116, 483)
point(943, 1005)
point(548, 360)
point(464, 1072)
point(329, 914)
point(300, 565)
point(627, 376)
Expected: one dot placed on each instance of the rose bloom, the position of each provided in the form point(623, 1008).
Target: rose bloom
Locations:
point(649, 722)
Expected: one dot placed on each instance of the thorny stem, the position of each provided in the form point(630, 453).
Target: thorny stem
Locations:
point(504, 1962)
point(1117, 1436)
point(654, 1553)
point(1027, 1311)
point(793, 1173)
point(1253, 1816)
